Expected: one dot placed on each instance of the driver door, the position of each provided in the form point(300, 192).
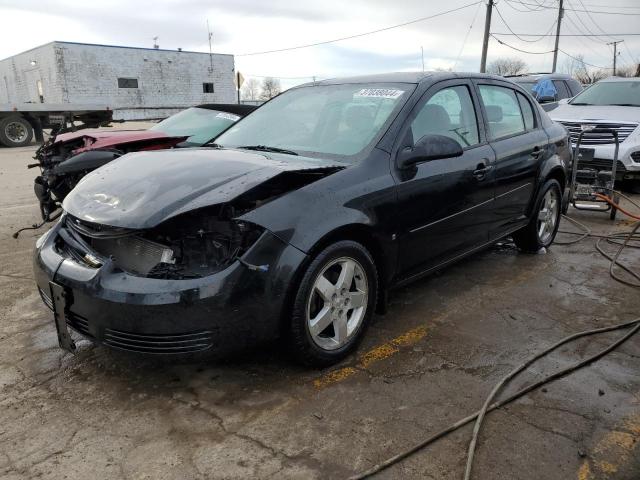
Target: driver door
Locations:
point(444, 205)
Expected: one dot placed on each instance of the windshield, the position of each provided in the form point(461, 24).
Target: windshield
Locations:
point(321, 120)
point(199, 124)
point(610, 93)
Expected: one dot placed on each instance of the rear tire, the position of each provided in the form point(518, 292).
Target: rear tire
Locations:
point(566, 201)
point(545, 219)
point(15, 131)
point(334, 304)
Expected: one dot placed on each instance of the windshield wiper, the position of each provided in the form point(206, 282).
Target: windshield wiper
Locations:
point(580, 103)
point(266, 148)
point(625, 105)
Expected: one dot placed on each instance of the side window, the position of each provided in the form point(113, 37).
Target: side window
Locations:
point(449, 112)
point(503, 111)
point(527, 112)
point(563, 91)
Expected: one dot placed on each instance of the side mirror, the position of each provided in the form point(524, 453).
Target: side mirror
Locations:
point(547, 99)
point(430, 147)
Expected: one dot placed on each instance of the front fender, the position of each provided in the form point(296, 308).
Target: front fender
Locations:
point(358, 195)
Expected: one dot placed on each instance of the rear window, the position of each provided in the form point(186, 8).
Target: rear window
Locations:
point(503, 111)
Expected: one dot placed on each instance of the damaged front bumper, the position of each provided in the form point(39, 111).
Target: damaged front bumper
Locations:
point(230, 309)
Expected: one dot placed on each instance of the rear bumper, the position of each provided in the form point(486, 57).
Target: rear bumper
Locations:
point(230, 309)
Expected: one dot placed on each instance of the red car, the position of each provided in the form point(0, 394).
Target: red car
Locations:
point(67, 157)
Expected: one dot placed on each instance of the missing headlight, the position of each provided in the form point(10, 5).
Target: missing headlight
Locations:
point(202, 243)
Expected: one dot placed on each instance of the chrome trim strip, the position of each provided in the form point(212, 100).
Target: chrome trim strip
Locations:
point(417, 229)
point(451, 216)
point(514, 190)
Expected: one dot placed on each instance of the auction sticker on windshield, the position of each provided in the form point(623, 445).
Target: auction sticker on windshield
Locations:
point(228, 116)
point(379, 93)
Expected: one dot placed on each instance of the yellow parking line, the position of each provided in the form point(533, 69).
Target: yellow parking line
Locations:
point(613, 450)
point(372, 356)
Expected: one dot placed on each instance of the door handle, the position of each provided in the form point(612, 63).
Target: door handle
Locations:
point(481, 170)
point(537, 152)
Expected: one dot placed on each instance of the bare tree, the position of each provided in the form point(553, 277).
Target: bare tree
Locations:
point(250, 89)
point(507, 66)
point(582, 72)
point(626, 71)
point(270, 88)
point(573, 64)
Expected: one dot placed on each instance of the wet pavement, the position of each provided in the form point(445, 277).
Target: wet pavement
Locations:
point(431, 360)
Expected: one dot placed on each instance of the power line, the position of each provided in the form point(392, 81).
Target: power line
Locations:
point(325, 42)
point(516, 35)
point(599, 43)
point(608, 6)
point(565, 34)
point(518, 49)
point(592, 20)
point(601, 12)
point(588, 30)
point(464, 42)
point(582, 61)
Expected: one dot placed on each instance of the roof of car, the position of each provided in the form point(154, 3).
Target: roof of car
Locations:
point(403, 77)
point(534, 77)
point(238, 109)
point(620, 79)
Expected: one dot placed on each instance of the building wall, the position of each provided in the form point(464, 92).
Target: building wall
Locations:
point(166, 79)
point(19, 76)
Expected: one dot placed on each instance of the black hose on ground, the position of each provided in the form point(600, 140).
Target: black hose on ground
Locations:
point(479, 415)
point(36, 226)
point(622, 239)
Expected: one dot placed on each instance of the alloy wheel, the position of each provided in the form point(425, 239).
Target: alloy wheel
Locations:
point(337, 303)
point(548, 215)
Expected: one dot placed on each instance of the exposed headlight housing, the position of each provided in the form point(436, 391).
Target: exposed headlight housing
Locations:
point(192, 245)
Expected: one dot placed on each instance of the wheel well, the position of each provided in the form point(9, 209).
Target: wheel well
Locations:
point(558, 175)
point(357, 233)
point(363, 235)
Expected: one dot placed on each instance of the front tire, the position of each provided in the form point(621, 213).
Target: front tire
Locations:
point(334, 304)
point(545, 219)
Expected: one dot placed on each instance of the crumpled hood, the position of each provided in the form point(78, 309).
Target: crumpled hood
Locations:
point(143, 189)
point(576, 113)
point(96, 139)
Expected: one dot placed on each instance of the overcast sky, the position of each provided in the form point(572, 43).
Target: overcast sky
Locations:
point(453, 40)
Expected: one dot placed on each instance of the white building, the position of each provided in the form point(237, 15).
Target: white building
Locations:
point(137, 83)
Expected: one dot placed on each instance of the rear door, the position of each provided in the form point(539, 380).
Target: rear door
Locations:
point(520, 145)
point(444, 205)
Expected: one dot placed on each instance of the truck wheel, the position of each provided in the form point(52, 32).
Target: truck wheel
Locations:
point(545, 219)
point(15, 131)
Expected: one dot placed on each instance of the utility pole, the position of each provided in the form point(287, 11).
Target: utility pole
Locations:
point(615, 54)
point(559, 23)
point(485, 41)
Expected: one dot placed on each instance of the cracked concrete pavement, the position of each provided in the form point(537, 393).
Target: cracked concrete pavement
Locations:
point(102, 414)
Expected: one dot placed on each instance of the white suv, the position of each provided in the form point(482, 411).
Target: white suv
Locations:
point(613, 103)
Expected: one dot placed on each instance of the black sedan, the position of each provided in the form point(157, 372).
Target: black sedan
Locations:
point(302, 216)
